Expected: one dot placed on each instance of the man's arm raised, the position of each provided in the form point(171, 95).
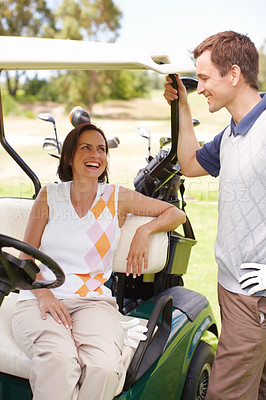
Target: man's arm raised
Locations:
point(187, 141)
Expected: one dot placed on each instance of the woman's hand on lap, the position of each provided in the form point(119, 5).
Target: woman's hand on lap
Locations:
point(48, 303)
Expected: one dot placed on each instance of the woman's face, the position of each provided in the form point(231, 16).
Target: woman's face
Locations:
point(90, 157)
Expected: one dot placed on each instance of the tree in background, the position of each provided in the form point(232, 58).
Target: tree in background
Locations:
point(24, 18)
point(124, 85)
point(262, 73)
point(94, 20)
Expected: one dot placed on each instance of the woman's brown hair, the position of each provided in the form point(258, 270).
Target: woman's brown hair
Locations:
point(68, 150)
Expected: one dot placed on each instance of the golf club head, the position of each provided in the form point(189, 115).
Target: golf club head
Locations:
point(144, 132)
point(46, 117)
point(49, 144)
point(191, 84)
point(164, 141)
point(79, 116)
point(117, 139)
point(52, 144)
point(113, 142)
point(196, 122)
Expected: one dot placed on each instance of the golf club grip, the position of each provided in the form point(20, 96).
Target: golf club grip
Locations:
point(174, 117)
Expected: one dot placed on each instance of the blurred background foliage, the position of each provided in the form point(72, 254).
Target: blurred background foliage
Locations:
point(95, 20)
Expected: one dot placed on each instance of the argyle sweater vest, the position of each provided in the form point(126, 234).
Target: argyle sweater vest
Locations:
point(84, 247)
point(241, 235)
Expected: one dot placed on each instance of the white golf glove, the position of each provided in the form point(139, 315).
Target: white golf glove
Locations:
point(256, 278)
point(134, 332)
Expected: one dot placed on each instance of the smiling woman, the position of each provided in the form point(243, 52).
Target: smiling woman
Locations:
point(74, 142)
point(78, 223)
point(90, 153)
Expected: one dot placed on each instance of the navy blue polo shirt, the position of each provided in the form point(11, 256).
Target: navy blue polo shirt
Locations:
point(209, 155)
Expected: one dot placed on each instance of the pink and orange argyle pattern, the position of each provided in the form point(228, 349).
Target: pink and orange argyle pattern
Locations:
point(101, 235)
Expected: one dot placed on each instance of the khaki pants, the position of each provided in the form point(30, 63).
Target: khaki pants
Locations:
point(84, 363)
point(239, 370)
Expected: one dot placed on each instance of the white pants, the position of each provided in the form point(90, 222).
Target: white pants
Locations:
point(84, 363)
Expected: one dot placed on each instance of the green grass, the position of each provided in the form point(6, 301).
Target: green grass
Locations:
point(25, 191)
point(201, 275)
point(11, 107)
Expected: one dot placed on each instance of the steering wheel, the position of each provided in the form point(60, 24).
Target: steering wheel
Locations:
point(21, 274)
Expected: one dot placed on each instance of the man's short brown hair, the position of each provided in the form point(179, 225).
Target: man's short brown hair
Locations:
point(231, 48)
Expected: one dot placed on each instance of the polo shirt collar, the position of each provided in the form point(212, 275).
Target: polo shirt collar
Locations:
point(246, 123)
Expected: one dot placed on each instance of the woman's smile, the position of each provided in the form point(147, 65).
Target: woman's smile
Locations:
point(91, 154)
point(92, 164)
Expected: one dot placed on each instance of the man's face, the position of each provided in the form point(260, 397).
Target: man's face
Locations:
point(218, 90)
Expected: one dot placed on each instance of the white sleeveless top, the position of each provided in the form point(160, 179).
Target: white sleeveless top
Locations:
point(83, 247)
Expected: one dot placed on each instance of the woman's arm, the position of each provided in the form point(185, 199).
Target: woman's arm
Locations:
point(38, 219)
point(168, 217)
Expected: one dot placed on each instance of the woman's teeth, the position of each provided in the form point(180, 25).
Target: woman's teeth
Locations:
point(92, 164)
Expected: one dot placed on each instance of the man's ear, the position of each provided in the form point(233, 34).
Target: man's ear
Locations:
point(235, 74)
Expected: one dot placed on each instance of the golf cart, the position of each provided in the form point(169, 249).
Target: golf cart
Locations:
point(174, 362)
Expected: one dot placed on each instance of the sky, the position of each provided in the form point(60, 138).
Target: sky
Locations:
point(166, 23)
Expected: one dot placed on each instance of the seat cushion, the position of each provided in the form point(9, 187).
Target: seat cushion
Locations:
point(14, 361)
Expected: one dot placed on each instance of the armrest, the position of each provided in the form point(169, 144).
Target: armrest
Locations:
point(158, 248)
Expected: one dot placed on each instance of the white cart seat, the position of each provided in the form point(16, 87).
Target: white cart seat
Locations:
point(14, 214)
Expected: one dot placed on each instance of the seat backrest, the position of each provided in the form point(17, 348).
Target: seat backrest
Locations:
point(157, 249)
point(14, 215)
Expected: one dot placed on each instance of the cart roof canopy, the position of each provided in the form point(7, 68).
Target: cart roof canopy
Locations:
point(25, 53)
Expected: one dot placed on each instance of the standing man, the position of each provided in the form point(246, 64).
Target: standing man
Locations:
point(227, 70)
